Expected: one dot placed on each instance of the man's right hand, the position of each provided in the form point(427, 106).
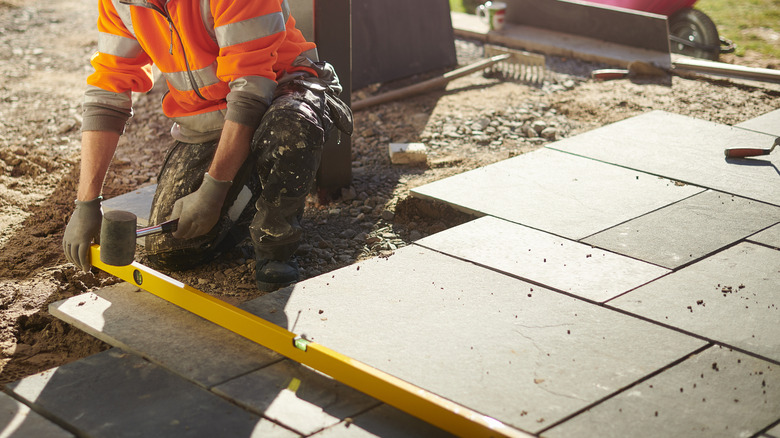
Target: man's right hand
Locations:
point(82, 229)
point(199, 211)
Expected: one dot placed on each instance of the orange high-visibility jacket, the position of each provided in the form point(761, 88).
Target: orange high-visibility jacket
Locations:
point(220, 59)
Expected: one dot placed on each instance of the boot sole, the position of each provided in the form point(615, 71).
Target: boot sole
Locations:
point(272, 287)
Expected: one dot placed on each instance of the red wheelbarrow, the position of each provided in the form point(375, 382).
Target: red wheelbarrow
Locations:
point(691, 31)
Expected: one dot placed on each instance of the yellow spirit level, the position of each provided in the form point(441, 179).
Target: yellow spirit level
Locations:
point(409, 398)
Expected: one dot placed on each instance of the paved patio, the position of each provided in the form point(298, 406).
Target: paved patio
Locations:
point(623, 282)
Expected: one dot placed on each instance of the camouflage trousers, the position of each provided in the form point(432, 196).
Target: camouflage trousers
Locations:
point(267, 197)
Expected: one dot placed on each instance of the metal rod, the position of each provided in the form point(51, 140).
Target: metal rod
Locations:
point(430, 84)
point(164, 227)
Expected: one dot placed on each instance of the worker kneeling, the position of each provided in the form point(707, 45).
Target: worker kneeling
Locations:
point(252, 108)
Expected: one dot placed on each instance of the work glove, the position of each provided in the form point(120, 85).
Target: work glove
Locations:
point(82, 229)
point(199, 211)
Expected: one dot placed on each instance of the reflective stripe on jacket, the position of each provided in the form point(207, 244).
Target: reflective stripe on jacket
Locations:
point(206, 49)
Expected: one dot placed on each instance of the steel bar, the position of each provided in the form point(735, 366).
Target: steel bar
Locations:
point(164, 227)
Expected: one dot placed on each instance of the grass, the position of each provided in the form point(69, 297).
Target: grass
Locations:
point(457, 6)
point(736, 20)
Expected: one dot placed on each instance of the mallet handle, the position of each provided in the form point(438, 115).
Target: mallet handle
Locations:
point(746, 152)
point(164, 227)
point(750, 152)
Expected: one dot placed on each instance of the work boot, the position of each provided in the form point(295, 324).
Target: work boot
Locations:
point(275, 274)
point(276, 233)
point(275, 265)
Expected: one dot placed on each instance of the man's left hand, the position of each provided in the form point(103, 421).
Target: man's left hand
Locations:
point(199, 211)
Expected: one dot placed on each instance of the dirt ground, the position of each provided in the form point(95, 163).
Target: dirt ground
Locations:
point(44, 53)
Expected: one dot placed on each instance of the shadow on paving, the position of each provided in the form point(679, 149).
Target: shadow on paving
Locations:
point(748, 162)
point(213, 384)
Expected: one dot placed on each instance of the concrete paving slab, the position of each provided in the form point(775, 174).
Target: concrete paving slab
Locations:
point(296, 396)
point(773, 432)
point(768, 123)
point(716, 393)
point(684, 149)
point(731, 297)
point(383, 421)
point(138, 202)
point(124, 316)
point(506, 348)
point(543, 258)
point(770, 236)
point(118, 394)
point(556, 192)
point(683, 232)
point(18, 420)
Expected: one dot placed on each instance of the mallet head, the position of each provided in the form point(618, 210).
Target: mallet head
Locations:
point(117, 238)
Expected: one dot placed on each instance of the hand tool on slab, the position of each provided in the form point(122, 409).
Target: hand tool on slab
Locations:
point(414, 400)
point(499, 62)
point(118, 233)
point(635, 69)
point(750, 152)
point(606, 74)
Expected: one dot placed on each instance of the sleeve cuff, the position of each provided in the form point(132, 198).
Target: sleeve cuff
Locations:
point(99, 118)
point(245, 108)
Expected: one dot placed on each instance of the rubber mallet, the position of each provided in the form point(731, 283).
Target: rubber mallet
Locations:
point(750, 152)
point(118, 234)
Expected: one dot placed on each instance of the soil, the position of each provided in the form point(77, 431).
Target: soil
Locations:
point(44, 53)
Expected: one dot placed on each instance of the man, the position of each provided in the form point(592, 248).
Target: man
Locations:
point(251, 108)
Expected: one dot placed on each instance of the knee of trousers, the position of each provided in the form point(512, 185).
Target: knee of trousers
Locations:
point(295, 111)
point(289, 123)
point(288, 146)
